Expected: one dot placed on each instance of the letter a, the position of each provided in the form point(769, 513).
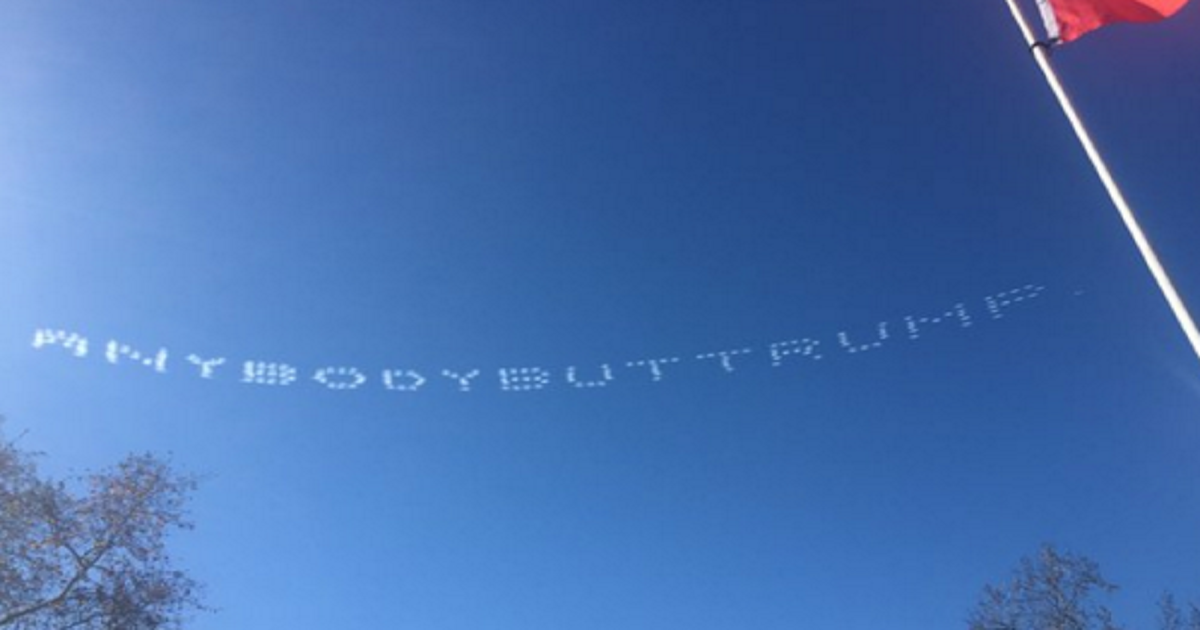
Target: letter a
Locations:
point(76, 343)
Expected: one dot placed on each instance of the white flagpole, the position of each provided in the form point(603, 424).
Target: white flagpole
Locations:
point(1114, 192)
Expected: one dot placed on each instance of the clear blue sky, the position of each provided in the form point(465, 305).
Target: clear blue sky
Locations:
point(445, 185)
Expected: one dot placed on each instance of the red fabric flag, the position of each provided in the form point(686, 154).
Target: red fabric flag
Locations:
point(1078, 17)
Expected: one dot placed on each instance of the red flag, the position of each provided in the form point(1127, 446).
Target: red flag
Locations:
point(1077, 17)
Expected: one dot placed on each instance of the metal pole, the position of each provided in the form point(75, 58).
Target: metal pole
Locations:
point(1114, 192)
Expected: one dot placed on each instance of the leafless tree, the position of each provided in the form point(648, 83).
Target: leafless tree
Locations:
point(1171, 617)
point(1052, 591)
point(91, 554)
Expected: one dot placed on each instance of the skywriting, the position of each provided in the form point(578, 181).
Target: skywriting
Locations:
point(778, 354)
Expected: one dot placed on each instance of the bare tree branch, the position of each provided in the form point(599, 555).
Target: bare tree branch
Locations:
point(96, 560)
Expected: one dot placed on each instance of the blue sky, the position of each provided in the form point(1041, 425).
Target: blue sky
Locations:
point(419, 187)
